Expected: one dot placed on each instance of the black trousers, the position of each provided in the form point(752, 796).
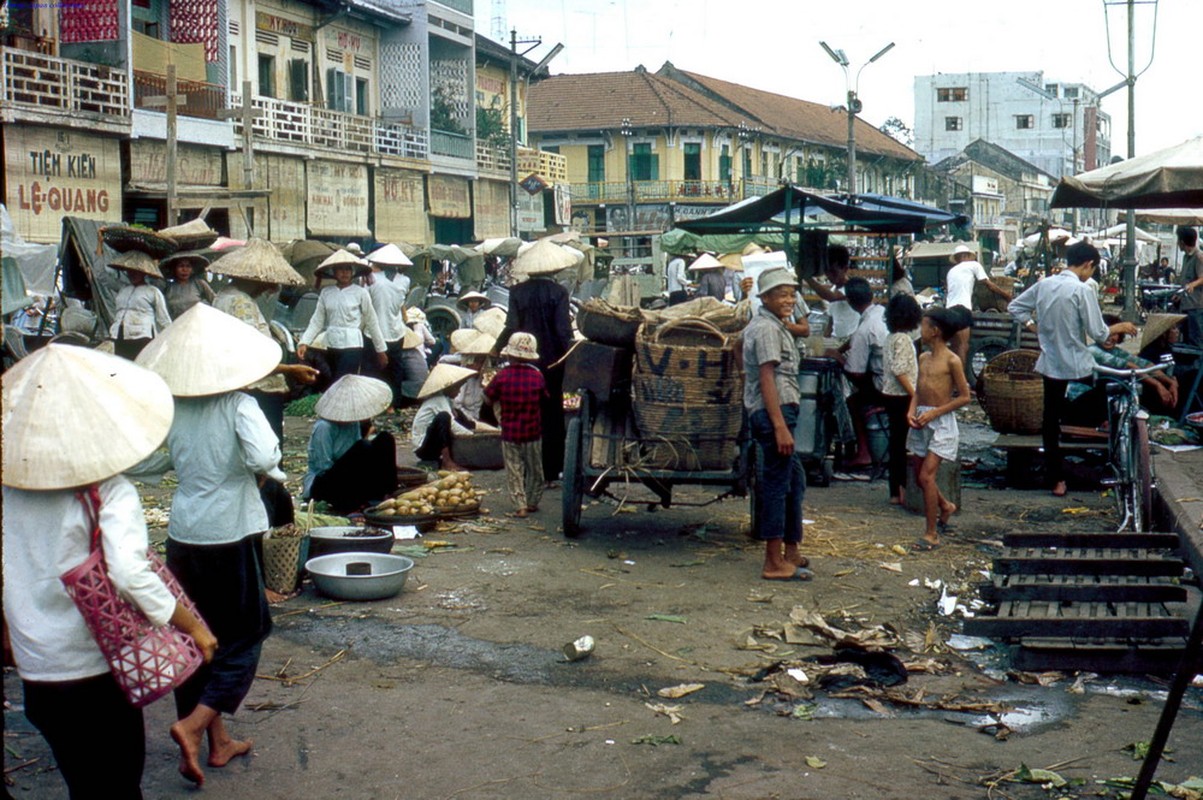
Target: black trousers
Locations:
point(438, 438)
point(347, 361)
point(226, 583)
point(103, 759)
point(366, 472)
point(553, 423)
point(896, 408)
point(272, 405)
point(1055, 406)
point(129, 348)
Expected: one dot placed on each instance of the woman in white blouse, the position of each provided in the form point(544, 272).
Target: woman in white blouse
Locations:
point(74, 420)
point(900, 375)
point(140, 310)
point(344, 313)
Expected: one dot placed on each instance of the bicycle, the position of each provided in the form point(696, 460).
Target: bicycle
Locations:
point(1128, 446)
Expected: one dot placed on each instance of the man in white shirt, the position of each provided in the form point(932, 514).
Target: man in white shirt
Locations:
point(843, 318)
point(961, 279)
point(677, 280)
point(863, 362)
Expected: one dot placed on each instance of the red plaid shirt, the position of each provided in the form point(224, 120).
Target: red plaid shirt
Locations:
point(520, 389)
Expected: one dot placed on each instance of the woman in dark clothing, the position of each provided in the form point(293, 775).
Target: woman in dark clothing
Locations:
point(539, 306)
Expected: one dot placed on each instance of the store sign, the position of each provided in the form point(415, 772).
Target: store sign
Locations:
point(284, 27)
point(54, 173)
point(530, 213)
point(337, 199)
point(285, 177)
point(491, 204)
point(448, 197)
point(563, 202)
point(194, 166)
point(346, 41)
point(400, 207)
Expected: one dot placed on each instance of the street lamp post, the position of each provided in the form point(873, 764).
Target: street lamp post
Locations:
point(627, 133)
point(854, 104)
point(744, 134)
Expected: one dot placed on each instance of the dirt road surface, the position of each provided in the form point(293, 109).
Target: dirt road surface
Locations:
point(458, 687)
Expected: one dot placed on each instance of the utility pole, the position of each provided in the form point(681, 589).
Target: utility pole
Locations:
point(246, 114)
point(514, 56)
point(854, 105)
point(171, 102)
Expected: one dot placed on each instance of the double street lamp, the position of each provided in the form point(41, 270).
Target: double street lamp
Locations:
point(627, 132)
point(854, 105)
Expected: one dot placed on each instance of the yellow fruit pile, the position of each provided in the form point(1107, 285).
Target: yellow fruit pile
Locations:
point(452, 492)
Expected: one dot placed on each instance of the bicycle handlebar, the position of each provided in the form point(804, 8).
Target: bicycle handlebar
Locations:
point(1127, 373)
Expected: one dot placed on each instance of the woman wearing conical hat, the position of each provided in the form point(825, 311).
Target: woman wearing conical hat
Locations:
point(140, 310)
point(405, 364)
point(220, 445)
point(438, 422)
point(74, 420)
point(348, 465)
point(344, 313)
point(186, 285)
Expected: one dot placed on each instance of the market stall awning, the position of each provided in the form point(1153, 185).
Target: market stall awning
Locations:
point(1169, 178)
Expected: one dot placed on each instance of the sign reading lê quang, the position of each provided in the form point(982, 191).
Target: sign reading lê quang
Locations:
point(53, 174)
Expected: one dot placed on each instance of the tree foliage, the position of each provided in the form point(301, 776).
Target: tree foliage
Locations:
point(899, 131)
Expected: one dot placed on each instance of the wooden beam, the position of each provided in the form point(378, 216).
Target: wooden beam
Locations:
point(172, 102)
point(247, 113)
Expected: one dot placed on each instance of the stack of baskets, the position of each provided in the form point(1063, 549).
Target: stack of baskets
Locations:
point(1012, 392)
point(687, 396)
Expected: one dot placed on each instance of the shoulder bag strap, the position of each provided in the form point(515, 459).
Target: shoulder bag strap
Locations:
point(90, 498)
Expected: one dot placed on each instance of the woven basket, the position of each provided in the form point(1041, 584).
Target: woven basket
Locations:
point(689, 437)
point(284, 559)
point(1013, 392)
point(598, 323)
point(124, 238)
point(686, 361)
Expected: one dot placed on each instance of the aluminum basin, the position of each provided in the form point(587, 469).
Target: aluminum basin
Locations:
point(359, 576)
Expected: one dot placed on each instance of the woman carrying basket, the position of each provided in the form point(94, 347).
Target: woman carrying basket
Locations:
point(221, 446)
point(74, 419)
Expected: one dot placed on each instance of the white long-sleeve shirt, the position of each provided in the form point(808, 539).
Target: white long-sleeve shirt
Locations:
point(1067, 315)
point(431, 407)
point(388, 300)
point(142, 310)
point(345, 315)
point(47, 533)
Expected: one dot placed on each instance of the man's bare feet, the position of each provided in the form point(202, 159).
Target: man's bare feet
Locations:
point(189, 743)
point(223, 753)
point(1060, 489)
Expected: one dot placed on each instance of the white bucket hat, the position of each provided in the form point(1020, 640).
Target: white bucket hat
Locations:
point(353, 398)
point(259, 261)
point(770, 279)
point(389, 256)
point(206, 351)
point(522, 345)
point(74, 416)
point(442, 378)
point(960, 249)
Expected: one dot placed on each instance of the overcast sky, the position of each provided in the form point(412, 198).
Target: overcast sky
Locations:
point(774, 45)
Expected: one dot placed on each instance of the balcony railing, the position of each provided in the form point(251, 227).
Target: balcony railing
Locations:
point(551, 167)
point(204, 99)
point(48, 83)
point(492, 159)
point(304, 124)
point(463, 6)
point(455, 145)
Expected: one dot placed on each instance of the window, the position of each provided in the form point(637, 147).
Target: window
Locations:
point(764, 163)
point(747, 161)
point(724, 163)
point(340, 90)
point(693, 161)
point(298, 80)
point(1024, 122)
point(1063, 120)
point(597, 163)
point(645, 165)
point(234, 87)
point(362, 106)
point(953, 123)
point(1051, 88)
point(267, 76)
point(550, 148)
point(1071, 92)
point(953, 94)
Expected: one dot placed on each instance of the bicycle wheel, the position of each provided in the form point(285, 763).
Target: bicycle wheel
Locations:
point(1142, 476)
point(1119, 451)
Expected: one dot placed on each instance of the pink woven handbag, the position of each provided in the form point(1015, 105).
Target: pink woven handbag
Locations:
point(147, 661)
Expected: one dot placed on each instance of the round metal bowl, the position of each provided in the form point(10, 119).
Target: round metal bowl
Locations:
point(359, 576)
point(348, 539)
point(1195, 420)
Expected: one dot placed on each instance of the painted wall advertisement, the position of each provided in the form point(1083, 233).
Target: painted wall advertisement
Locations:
point(338, 199)
point(448, 197)
point(285, 177)
point(492, 205)
point(195, 166)
point(55, 173)
point(530, 213)
point(400, 207)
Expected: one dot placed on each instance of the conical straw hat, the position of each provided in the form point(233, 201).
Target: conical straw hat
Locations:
point(1156, 325)
point(706, 261)
point(442, 378)
point(490, 321)
point(409, 339)
point(74, 416)
point(462, 302)
point(389, 256)
point(259, 261)
point(543, 258)
point(193, 227)
point(471, 342)
point(137, 261)
point(206, 351)
point(353, 398)
point(341, 258)
point(732, 261)
point(193, 258)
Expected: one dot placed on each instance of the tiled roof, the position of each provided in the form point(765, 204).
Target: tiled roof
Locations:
point(798, 119)
point(600, 101)
point(999, 159)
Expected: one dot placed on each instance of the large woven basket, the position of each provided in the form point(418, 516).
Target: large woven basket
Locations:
point(686, 361)
point(124, 238)
point(986, 300)
point(689, 437)
point(1013, 392)
point(284, 558)
point(603, 323)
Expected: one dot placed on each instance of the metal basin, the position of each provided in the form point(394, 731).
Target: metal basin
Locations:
point(359, 576)
point(348, 539)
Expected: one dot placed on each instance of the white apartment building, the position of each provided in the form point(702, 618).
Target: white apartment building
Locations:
point(1056, 126)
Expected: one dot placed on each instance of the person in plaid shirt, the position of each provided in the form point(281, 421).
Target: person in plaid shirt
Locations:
point(520, 389)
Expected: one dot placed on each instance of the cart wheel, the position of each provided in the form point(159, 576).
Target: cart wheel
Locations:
point(824, 473)
point(980, 353)
point(574, 482)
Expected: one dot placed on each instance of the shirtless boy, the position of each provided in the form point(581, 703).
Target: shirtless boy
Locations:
point(934, 435)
